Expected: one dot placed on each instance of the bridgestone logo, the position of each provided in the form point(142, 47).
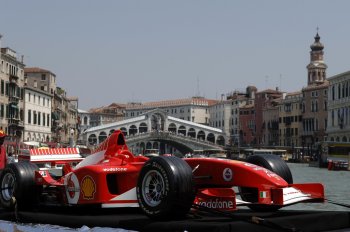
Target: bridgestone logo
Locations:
point(216, 204)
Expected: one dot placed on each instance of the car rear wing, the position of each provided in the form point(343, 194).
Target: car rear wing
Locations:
point(52, 155)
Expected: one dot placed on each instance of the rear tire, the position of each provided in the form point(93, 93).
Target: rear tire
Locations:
point(165, 188)
point(273, 163)
point(17, 182)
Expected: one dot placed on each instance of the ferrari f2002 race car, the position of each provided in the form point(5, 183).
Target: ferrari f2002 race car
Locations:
point(163, 187)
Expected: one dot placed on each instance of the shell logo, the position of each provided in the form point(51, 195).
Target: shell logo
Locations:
point(88, 187)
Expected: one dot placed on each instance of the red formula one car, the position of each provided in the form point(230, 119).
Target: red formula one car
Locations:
point(164, 187)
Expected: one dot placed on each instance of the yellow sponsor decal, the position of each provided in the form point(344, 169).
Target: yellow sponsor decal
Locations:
point(88, 188)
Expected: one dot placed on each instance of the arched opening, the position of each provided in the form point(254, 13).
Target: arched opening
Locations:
point(111, 132)
point(182, 130)
point(92, 139)
point(149, 145)
point(157, 121)
point(344, 139)
point(142, 147)
point(337, 139)
point(143, 128)
point(124, 130)
point(220, 140)
point(211, 138)
point(132, 130)
point(201, 135)
point(172, 128)
point(191, 133)
point(102, 136)
point(155, 146)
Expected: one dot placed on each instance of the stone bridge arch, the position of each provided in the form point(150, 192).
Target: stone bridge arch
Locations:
point(158, 121)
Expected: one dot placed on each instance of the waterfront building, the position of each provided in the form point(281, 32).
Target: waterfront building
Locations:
point(83, 120)
point(263, 100)
point(40, 78)
point(338, 125)
point(37, 115)
point(64, 117)
point(239, 99)
point(315, 99)
point(64, 110)
point(290, 120)
point(11, 93)
point(195, 109)
point(72, 120)
point(220, 115)
point(270, 126)
point(247, 132)
point(105, 114)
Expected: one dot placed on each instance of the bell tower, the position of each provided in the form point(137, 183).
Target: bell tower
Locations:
point(316, 68)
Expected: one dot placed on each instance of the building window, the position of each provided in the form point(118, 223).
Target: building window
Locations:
point(7, 88)
point(48, 120)
point(7, 111)
point(43, 77)
point(34, 118)
point(44, 119)
point(2, 87)
point(39, 118)
point(2, 113)
point(29, 116)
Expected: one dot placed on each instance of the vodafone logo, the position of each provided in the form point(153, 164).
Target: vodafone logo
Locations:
point(227, 174)
point(217, 204)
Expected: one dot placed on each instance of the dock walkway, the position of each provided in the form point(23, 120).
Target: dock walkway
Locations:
point(133, 219)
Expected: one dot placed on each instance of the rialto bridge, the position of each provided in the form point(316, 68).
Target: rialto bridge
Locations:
point(156, 130)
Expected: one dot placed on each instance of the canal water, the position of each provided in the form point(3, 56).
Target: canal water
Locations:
point(336, 184)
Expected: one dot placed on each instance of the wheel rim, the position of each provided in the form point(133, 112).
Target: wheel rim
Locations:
point(153, 188)
point(7, 186)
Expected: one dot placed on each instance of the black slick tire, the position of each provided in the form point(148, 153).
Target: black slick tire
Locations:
point(17, 182)
point(165, 188)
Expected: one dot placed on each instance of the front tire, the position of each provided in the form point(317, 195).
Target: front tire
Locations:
point(17, 182)
point(273, 163)
point(165, 188)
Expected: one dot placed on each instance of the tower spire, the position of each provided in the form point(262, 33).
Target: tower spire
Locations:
point(317, 67)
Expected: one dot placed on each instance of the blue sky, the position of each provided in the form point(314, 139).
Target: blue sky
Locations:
point(122, 51)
